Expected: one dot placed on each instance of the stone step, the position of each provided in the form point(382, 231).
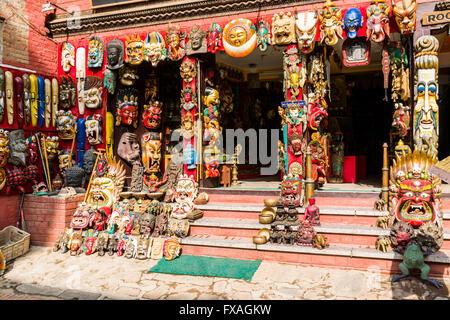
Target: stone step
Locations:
point(346, 235)
point(333, 256)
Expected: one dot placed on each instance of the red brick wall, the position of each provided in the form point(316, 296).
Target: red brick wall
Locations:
point(9, 211)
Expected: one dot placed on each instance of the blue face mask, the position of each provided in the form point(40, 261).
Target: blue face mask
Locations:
point(352, 22)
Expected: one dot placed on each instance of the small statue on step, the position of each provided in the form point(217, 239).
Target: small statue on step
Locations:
point(226, 176)
point(277, 234)
point(281, 213)
point(305, 234)
point(292, 213)
point(312, 213)
point(289, 236)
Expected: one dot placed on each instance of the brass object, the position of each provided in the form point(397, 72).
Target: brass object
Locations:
point(265, 219)
point(268, 211)
point(309, 177)
point(271, 202)
point(259, 239)
point(385, 175)
point(234, 173)
point(265, 233)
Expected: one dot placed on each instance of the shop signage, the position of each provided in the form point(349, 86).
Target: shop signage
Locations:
point(105, 3)
point(442, 169)
point(436, 17)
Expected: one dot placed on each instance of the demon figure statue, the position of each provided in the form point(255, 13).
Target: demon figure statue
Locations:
point(95, 53)
point(67, 93)
point(94, 129)
point(378, 13)
point(401, 119)
point(292, 191)
point(197, 41)
point(306, 23)
point(115, 52)
point(283, 29)
point(353, 20)
point(330, 23)
point(405, 15)
point(426, 110)
point(135, 50)
point(154, 48)
point(127, 107)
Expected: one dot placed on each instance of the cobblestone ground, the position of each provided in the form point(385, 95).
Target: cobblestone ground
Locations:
point(43, 274)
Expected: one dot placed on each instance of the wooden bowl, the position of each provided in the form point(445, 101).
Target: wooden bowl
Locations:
point(265, 233)
point(268, 211)
point(265, 219)
point(259, 239)
point(271, 202)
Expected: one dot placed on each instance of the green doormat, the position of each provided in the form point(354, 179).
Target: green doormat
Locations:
point(208, 266)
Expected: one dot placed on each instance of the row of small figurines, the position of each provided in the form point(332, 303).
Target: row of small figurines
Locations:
point(138, 247)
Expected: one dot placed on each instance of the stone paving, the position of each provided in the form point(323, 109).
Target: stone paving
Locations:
point(43, 274)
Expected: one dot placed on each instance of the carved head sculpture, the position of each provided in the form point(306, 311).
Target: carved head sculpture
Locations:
point(317, 112)
point(405, 15)
point(188, 71)
point(186, 189)
point(94, 129)
point(353, 20)
point(135, 50)
point(52, 144)
point(74, 176)
point(155, 48)
point(292, 190)
point(66, 124)
point(127, 107)
point(151, 117)
point(263, 35)
point(109, 81)
point(105, 189)
point(175, 42)
point(93, 92)
point(64, 160)
point(171, 249)
point(197, 41)
point(89, 161)
point(4, 147)
point(330, 23)
point(80, 219)
point(67, 93)
point(17, 148)
point(129, 148)
point(128, 75)
point(151, 152)
point(306, 23)
point(378, 20)
point(67, 56)
point(295, 142)
point(214, 38)
point(415, 193)
point(95, 53)
point(187, 126)
point(283, 29)
point(115, 52)
point(426, 111)
point(188, 99)
point(239, 37)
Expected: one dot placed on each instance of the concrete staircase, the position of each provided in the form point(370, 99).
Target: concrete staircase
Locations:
point(347, 220)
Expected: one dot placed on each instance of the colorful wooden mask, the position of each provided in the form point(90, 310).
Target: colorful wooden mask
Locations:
point(80, 219)
point(115, 52)
point(283, 29)
point(151, 117)
point(188, 71)
point(66, 124)
point(378, 20)
point(151, 152)
point(415, 193)
point(34, 99)
point(107, 183)
point(48, 102)
point(171, 249)
point(128, 75)
point(135, 50)
point(197, 41)
point(186, 192)
point(292, 190)
point(155, 48)
point(175, 42)
point(356, 52)
point(188, 99)
point(353, 20)
point(52, 144)
point(67, 93)
point(9, 95)
point(330, 23)
point(81, 140)
point(306, 23)
point(41, 101)
point(67, 56)
point(127, 108)
point(109, 81)
point(26, 98)
point(18, 95)
point(187, 126)
point(94, 129)
point(426, 110)
point(239, 37)
point(263, 36)
point(405, 15)
point(2, 95)
point(317, 111)
point(95, 53)
point(214, 38)
point(4, 147)
point(129, 148)
point(93, 92)
point(64, 161)
point(55, 100)
point(81, 77)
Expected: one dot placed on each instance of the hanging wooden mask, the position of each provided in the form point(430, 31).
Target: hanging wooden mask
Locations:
point(405, 15)
point(127, 107)
point(81, 77)
point(155, 48)
point(18, 94)
point(52, 144)
point(151, 117)
point(95, 53)
point(306, 28)
point(34, 99)
point(197, 41)
point(188, 71)
point(129, 148)
point(67, 93)
point(94, 129)
point(151, 152)
point(239, 38)
point(175, 42)
point(353, 20)
point(283, 29)
point(26, 98)
point(115, 53)
point(378, 20)
point(263, 36)
point(9, 97)
point(135, 50)
point(65, 124)
point(48, 102)
point(188, 99)
point(67, 56)
point(128, 75)
point(93, 92)
point(41, 101)
point(55, 100)
point(330, 23)
point(109, 81)
point(214, 38)
point(4, 147)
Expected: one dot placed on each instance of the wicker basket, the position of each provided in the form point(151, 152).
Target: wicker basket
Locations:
point(14, 242)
